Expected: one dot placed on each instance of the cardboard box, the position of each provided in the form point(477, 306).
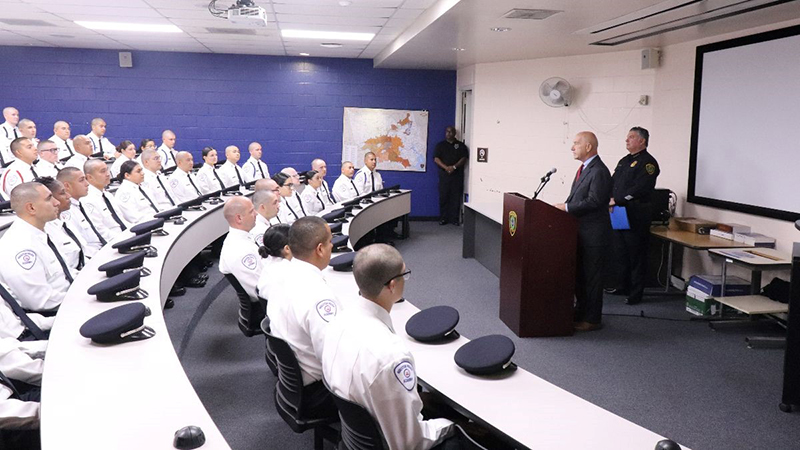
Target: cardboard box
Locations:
point(701, 307)
point(692, 224)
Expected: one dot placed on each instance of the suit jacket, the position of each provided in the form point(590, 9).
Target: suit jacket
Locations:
point(588, 201)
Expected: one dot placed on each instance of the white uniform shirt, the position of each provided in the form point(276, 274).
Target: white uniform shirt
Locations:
point(11, 326)
point(30, 270)
point(313, 200)
point(207, 180)
point(9, 132)
point(101, 143)
point(15, 363)
point(167, 156)
point(365, 362)
point(117, 164)
point(18, 360)
point(344, 189)
point(157, 184)
point(17, 173)
point(239, 256)
point(65, 148)
point(272, 270)
point(257, 233)
point(300, 308)
point(77, 161)
point(7, 135)
point(254, 169)
point(79, 225)
point(364, 180)
point(133, 204)
point(230, 174)
point(101, 217)
point(67, 247)
point(183, 186)
point(46, 169)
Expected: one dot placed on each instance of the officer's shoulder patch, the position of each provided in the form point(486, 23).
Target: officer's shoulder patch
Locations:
point(326, 309)
point(650, 168)
point(404, 372)
point(173, 182)
point(260, 239)
point(90, 208)
point(66, 215)
point(250, 261)
point(124, 197)
point(26, 259)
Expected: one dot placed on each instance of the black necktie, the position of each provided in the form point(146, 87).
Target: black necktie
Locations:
point(23, 316)
point(238, 175)
point(7, 383)
point(372, 175)
point(300, 202)
point(71, 153)
point(354, 186)
point(91, 225)
point(292, 211)
point(100, 143)
point(216, 175)
point(327, 193)
point(166, 192)
point(113, 213)
point(258, 164)
point(15, 133)
point(189, 176)
point(320, 201)
point(77, 242)
point(60, 260)
point(35, 175)
point(155, 208)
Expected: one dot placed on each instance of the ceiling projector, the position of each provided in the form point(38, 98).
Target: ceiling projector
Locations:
point(243, 12)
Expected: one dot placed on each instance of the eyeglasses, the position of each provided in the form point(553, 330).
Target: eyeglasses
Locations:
point(406, 275)
point(51, 150)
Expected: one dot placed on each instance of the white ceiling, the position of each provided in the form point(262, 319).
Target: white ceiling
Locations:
point(408, 33)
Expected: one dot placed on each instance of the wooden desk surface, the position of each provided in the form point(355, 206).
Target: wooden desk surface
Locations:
point(758, 258)
point(754, 304)
point(693, 240)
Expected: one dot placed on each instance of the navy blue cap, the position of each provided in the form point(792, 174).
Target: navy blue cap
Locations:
point(5, 205)
point(340, 243)
point(126, 263)
point(135, 244)
point(335, 227)
point(188, 438)
point(433, 324)
point(343, 263)
point(117, 325)
point(169, 214)
point(122, 287)
point(195, 203)
point(486, 355)
point(156, 226)
point(667, 444)
point(333, 215)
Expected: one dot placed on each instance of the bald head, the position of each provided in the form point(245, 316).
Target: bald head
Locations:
point(320, 166)
point(232, 154)
point(11, 115)
point(24, 193)
point(82, 145)
point(373, 266)
point(292, 174)
point(184, 161)
point(27, 128)
point(310, 241)
point(584, 146)
point(266, 184)
point(34, 203)
point(93, 166)
point(168, 138)
point(61, 129)
point(240, 213)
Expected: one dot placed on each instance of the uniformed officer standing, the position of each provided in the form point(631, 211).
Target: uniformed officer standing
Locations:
point(239, 255)
point(451, 156)
point(135, 203)
point(364, 361)
point(344, 188)
point(267, 204)
point(322, 167)
point(633, 182)
point(100, 144)
point(21, 170)
point(167, 150)
point(69, 243)
point(78, 220)
point(230, 173)
point(101, 207)
point(182, 182)
point(8, 132)
point(313, 197)
point(367, 178)
point(254, 168)
point(154, 180)
point(208, 179)
point(47, 165)
point(61, 137)
point(33, 270)
point(83, 149)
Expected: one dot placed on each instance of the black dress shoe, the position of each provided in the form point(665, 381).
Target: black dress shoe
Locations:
point(177, 291)
point(632, 301)
point(195, 282)
point(169, 303)
point(615, 291)
point(443, 222)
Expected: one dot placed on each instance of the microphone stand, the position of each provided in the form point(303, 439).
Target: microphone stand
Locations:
point(545, 179)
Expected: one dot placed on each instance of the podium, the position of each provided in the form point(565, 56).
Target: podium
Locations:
point(537, 267)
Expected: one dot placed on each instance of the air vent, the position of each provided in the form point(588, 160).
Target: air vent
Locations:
point(530, 14)
point(27, 22)
point(239, 31)
point(63, 36)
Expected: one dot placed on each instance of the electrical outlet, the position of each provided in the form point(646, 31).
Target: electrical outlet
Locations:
point(644, 100)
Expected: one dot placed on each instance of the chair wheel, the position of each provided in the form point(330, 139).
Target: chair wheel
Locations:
point(785, 407)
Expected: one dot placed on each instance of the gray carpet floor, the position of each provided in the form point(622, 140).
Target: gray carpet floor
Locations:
point(649, 364)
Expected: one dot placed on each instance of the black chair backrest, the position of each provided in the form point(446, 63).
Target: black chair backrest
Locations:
point(250, 313)
point(269, 355)
point(289, 391)
point(360, 431)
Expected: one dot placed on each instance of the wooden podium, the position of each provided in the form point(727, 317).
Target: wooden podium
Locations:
point(537, 267)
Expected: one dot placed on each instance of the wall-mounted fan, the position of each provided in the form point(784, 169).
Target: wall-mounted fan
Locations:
point(555, 92)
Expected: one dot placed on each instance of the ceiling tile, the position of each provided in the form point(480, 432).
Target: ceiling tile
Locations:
point(295, 19)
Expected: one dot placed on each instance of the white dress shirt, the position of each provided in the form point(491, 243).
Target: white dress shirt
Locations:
point(46, 169)
point(272, 270)
point(101, 143)
point(300, 308)
point(101, 217)
point(157, 184)
point(117, 164)
point(65, 148)
point(17, 173)
point(133, 203)
point(77, 161)
point(167, 156)
point(313, 200)
point(30, 269)
point(257, 233)
point(239, 256)
point(344, 188)
point(364, 361)
point(22, 361)
point(208, 180)
point(254, 169)
point(67, 247)
point(16, 364)
point(9, 132)
point(79, 224)
point(11, 326)
point(230, 174)
point(7, 135)
point(183, 186)
point(368, 180)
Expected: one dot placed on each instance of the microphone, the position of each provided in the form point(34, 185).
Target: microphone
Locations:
point(544, 181)
point(547, 175)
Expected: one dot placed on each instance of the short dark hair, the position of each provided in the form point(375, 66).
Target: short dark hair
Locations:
point(48, 182)
point(307, 176)
point(373, 266)
point(144, 142)
point(123, 145)
point(280, 178)
point(126, 168)
point(643, 133)
point(207, 150)
point(306, 234)
point(275, 239)
point(16, 144)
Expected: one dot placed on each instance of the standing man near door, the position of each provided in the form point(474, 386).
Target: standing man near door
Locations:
point(451, 156)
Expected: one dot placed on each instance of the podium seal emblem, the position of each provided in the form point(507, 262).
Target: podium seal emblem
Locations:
point(512, 222)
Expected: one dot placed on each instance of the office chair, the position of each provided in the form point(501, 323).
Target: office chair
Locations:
point(269, 355)
point(250, 313)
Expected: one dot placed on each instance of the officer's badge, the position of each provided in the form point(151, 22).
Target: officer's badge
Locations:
point(26, 259)
point(326, 309)
point(633, 164)
point(174, 183)
point(405, 375)
point(250, 262)
point(455, 146)
point(65, 215)
point(650, 168)
point(512, 222)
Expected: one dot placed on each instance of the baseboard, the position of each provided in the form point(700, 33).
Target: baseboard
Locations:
point(423, 218)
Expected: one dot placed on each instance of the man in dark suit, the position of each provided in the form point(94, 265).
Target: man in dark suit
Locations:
point(588, 201)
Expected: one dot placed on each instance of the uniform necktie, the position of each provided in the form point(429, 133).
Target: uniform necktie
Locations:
point(169, 158)
point(578, 175)
point(5, 381)
point(91, 225)
point(189, 176)
point(354, 186)
point(35, 175)
point(320, 201)
point(113, 213)
point(372, 175)
point(15, 133)
point(328, 193)
point(100, 142)
point(300, 202)
point(292, 211)
point(216, 175)
point(164, 188)
point(238, 175)
point(71, 153)
point(60, 260)
point(258, 164)
point(77, 242)
point(23, 316)
point(153, 205)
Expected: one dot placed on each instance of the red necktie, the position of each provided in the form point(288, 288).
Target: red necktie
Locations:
point(578, 176)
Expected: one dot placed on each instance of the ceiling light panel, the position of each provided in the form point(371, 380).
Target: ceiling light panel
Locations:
point(326, 35)
point(336, 11)
point(130, 27)
point(328, 20)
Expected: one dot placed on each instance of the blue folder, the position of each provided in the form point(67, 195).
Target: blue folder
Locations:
point(619, 218)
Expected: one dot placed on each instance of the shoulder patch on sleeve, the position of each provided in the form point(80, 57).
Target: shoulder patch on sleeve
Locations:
point(249, 261)
point(650, 168)
point(260, 239)
point(90, 208)
point(125, 196)
point(326, 309)
point(174, 183)
point(66, 215)
point(26, 259)
point(404, 372)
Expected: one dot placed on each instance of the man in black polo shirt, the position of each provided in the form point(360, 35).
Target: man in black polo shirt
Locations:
point(451, 156)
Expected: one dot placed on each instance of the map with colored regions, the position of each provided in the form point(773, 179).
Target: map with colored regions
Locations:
point(398, 138)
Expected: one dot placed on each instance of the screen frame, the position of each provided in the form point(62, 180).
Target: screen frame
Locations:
point(701, 50)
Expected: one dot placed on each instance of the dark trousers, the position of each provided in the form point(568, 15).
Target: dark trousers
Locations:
point(589, 283)
point(451, 189)
point(630, 251)
point(317, 401)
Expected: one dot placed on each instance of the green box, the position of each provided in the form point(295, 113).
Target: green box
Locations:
point(701, 307)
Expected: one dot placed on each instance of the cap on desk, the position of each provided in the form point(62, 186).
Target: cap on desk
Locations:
point(188, 438)
point(335, 227)
point(667, 444)
point(486, 355)
point(433, 324)
point(343, 263)
point(169, 214)
point(135, 244)
point(155, 226)
point(134, 261)
point(117, 325)
point(195, 203)
point(5, 206)
point(122, 287)
point(333, 215)
point(340, 243)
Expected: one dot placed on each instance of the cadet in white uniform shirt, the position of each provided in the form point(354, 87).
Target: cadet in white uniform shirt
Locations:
point(100, 206)
point(27, 128)
point(12, 326)
point(230, 173)
point(33, 270)
point(78, 220)
point(367, 178)
point(322, 167)
point(208, 179)
point(83, 149)
point(313, 197)
point(135, 203)
point(21, 170)
point(276, 255)
point(19, 411)
point(254, 168)
point(47, 165)
point(167, 150)
point(345, 188)
point(239, 255)
point(267, 205)
point(69, 242)
point(127, 152)
point(182, 182)
point(8, 132)
point(364, 361)
point(100, 144)
point(155, 181)
point(289, 210)
point(61, 137)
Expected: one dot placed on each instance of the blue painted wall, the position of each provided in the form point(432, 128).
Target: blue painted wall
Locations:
point(292, 106)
